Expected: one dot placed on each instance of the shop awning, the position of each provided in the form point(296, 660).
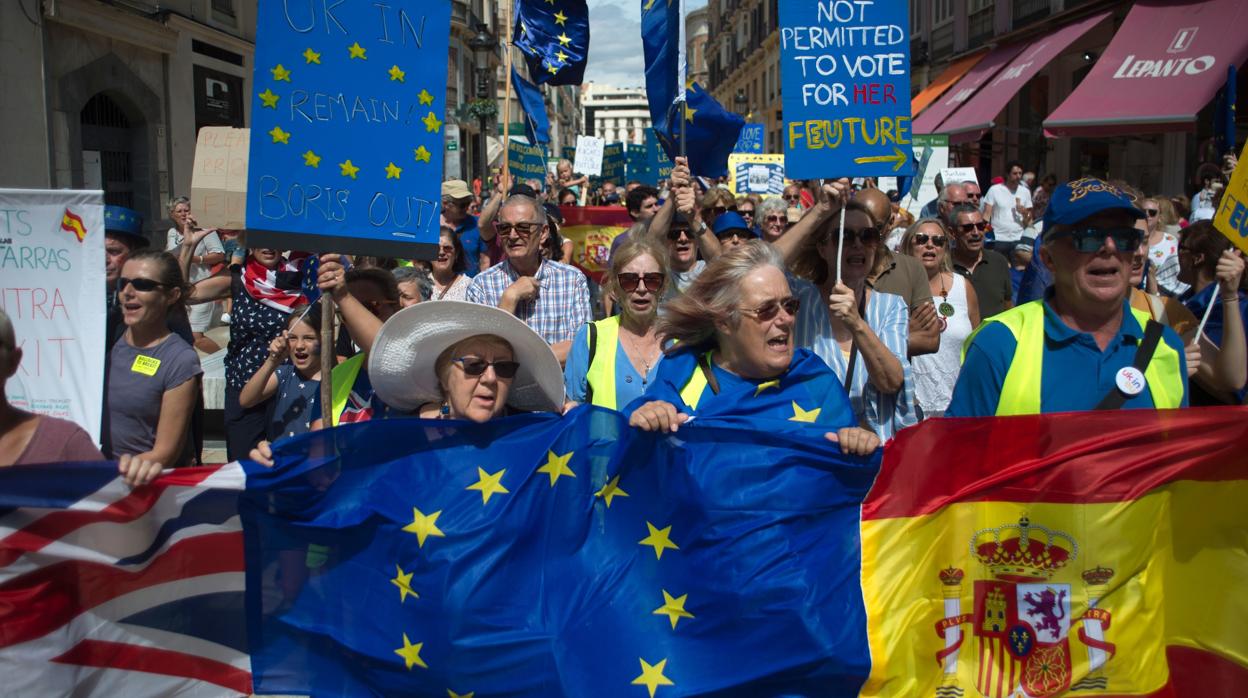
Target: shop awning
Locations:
point(1166, 62)
point(942, 82)
point(957, 95)
point(979, 113)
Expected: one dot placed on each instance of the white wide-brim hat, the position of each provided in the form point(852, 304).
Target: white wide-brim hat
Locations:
point(401, 364)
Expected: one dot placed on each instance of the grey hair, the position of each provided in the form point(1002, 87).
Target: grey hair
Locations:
point(691, 317)
point(521, 200)
point(178, 200)
point(420, 276)
point(770, 205)
point(960, 209)
point(944, 191)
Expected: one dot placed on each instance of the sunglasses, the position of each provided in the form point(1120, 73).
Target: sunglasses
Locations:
point(720, 210)
point(777, 219)
point(769, 310)
point(923, 238)
point(449, 249)
point(746, 212)
point(474, 366)
point(968, 227)
point(141, 285)
point(1152, 212)
point(866, 236)
point(969, 195)
point(522, 230)
point(793, 197)
point(735, 233)
point(629, 281)
point(675, 233)
point(1091, 240)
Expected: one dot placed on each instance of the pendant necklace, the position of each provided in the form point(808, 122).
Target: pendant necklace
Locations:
point(946, 308)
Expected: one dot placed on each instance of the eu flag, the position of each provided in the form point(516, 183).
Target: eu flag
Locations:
point(711, 133)
point(536, 123)
point(660, 43)
point(540, 555)
point(554, 36)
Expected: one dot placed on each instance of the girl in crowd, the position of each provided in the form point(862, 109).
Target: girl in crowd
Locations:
point(1215, 272)
point(566, 180)
point(957, 309)
point(297, 384)
point(450, 283)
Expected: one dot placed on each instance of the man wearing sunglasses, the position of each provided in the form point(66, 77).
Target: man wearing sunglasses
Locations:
point(1082, 346)
point(456, 198)
point(987, 270)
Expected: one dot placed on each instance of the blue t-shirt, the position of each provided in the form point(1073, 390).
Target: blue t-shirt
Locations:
point(470, 236)
point(629, 383)
point(1198, 302)
point(808, 393)
point(1075, 375)
point(295, 404)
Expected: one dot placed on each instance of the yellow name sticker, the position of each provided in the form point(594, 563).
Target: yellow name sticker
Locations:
point(146, 365)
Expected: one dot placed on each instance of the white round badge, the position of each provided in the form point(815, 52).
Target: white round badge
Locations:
point(1130, 381)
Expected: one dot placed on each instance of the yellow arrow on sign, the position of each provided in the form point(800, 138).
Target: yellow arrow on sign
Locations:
point(897, 157)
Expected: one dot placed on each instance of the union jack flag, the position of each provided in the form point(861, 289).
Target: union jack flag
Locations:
point(107, 590)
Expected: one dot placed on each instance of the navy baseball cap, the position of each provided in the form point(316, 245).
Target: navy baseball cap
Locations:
point(731, 220)
point(1077, 200)
point(126, 223)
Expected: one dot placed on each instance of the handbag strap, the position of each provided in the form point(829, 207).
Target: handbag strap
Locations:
point(1143, 355)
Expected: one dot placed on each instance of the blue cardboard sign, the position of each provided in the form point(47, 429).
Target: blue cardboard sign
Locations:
point(568, 153)
point(635, 157)
point(347, 126)
point(845, 84)
point(751, 140)
point(526, 161)
point(658, 163)
point(613, 163)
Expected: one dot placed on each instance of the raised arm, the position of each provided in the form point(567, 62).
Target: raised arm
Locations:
point(829, 199)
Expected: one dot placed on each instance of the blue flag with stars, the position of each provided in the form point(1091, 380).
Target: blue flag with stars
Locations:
point(536, 123)
point(711, 133)
point(540, 555)
point(554, 37)
point(660, 39)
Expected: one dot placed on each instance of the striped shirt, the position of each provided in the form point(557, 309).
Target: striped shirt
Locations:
point(888, 317)
point(561, 306)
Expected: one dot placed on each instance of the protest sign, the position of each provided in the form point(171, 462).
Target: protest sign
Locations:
point(614, 161)
point(932, 155)
point(526, 161)
point(219, 179)
point(850, 58)
point(347, 136)
point(588, 155)
point(958, 175)
point(568, 153)
point(635, 162)
point(657, 161)
point(750, 140)
point(52, 289)
point(756, 174)
point(1232, 216)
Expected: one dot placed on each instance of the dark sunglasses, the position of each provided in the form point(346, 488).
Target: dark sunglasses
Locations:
point(141, 285)
point(969, 195)
point(449, 249)
point(735, 233)
point(777, 219)
point(720, 210)
point(793, 197)
point(522, 230)
point(1152, 212)
point(746, 212)
point(675, 233)
point(771, 309)
point(629, 281)
point(866, 236)
point(923, 238)
point(1090, 240)
point(474, 366)
point(968, 227)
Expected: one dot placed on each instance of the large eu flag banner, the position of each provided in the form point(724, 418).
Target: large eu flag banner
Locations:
point(548, 556)
point(554, 37)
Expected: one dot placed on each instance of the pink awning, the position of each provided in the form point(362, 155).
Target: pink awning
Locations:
point(979, 114)
point(1166, 62)
point(962, 91)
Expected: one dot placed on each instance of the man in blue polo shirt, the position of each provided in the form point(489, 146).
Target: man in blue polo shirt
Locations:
point(1081, 347)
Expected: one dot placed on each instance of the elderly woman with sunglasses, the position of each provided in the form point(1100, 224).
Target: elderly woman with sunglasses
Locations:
point(614, 360)
point(734, 355)
point(772, 218)
point(957, 310)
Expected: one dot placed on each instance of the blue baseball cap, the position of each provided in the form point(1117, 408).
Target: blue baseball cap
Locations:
point(731, 220)
point(1082, 198)
point(120, 220)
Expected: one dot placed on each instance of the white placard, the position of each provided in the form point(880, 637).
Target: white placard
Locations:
point(52, 289)
point(958, 175)
point(760, 177)
point(588, 156)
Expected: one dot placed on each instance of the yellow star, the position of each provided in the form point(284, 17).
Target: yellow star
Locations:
point(431, 123)
point(269, 98)
point(488, 484)
point(563, 57)
point(560, 18)
point(564, 39)
point(280, 73)
point(393, 171)
point(689, 113)
point(673, 607)
point(659, 539)
point(311, 159)
point(424, 526)
point(801, 415)
point(422, 154)
point(652, 676)
point(763, 386)
point(404, 583)
point(557, 466)
point(348, 169)
point(312, 56)
point(611, 490)
point(280, 136)
point(425, 98)
point(397, 74)
point(411, 654)
point(551, 67)
point(453, 694)
point(357, 51)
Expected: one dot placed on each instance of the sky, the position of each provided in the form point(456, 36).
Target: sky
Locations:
point(615, 56)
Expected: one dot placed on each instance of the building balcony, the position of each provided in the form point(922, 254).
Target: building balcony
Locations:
point(1029, 11)
point(979, 27)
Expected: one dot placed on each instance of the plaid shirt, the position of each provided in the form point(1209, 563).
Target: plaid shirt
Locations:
point(561, 306)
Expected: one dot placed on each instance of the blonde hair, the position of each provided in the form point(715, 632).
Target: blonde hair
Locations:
point(907, 240)
point(627, 252)
point(691, 317)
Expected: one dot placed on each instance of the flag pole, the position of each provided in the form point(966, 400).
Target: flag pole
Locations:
point(507, 98)
point(681, 77)
point(327, 359)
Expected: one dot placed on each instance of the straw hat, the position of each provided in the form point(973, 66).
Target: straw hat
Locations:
point(401, 364)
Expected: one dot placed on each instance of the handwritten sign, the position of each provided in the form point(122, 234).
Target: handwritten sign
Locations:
point(845, 78)
point(219, 177)
point(526, 161)
point(348, 126)
point(588, 155)
point(1232, 217)
point(751, 139)
point(756, 174)
point(958, 175)
point(52, 289)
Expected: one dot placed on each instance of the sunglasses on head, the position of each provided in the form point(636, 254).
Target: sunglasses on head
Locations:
point(140, 284)
point(629, 281)
point(522, 230)
point(474, 366)
point(771, 309)
point(1091, 240)
point(866, 236)
point(923, 238)
point(968, 227)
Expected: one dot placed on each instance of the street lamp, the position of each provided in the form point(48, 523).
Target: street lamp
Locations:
point(741, 102)
point(482, 45)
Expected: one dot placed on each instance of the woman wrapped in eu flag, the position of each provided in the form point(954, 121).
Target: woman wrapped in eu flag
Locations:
point(734, 356)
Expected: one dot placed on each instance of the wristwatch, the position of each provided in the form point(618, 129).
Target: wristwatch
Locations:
point(701, 229)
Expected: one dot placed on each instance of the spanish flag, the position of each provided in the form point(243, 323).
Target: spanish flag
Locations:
point(1093, 554)
point(592, 229)
point(72, 223)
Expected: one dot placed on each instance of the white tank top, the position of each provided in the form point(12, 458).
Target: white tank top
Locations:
point(935, 374)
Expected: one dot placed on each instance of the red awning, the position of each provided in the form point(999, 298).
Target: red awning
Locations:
point(979, 114)
point(947, 78)
point(959, 93)
point(1166, 62)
